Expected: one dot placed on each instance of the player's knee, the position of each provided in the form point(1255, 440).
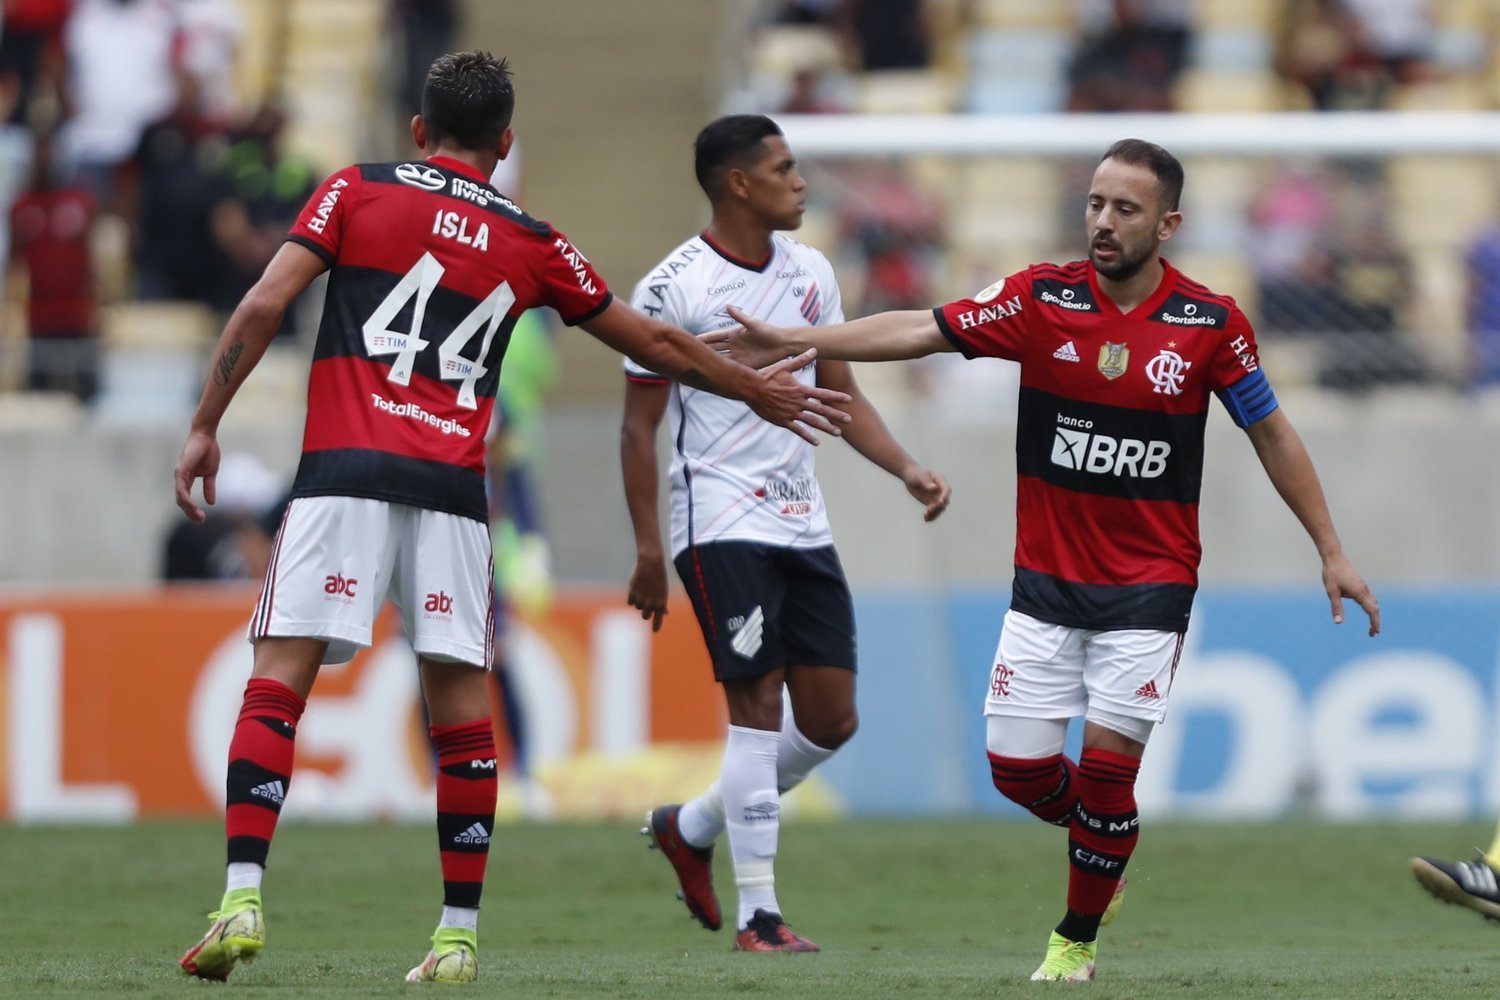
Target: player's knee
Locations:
point(834, 731)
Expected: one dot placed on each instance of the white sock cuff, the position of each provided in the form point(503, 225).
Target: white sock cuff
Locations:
point(762, 743)
point(460, 916)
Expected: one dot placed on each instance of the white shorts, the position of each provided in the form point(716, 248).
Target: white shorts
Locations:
point(1046, 671)
point(336, 560)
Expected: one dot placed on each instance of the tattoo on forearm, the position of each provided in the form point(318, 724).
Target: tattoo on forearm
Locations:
point(694, 379)
point(225, 366)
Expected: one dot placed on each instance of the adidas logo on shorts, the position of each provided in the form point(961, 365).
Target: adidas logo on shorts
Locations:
point(1148, 690)
point(1067, 352)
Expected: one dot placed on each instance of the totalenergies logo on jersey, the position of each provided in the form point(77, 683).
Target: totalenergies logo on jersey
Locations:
point(412, 411)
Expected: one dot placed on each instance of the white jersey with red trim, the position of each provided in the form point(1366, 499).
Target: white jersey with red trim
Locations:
point(734, 476)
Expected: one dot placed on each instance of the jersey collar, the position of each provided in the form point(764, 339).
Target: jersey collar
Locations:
point(458, 167)
point(738, 261)
point(1156, 298)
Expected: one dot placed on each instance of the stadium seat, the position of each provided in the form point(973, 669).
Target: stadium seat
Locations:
point(1006, 201)
point(175, 325)
point(905, 92)
point(1232, 50)
point(781, 50)
point(1024, 14)
point(1441, 201)
point(1211, 90)
point(40, 411)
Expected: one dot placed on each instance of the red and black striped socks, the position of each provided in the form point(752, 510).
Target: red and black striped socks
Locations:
point(1101, 839)
point(260, 768)
point(467, 786)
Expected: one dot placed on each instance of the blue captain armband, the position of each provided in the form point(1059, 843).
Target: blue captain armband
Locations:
point(1250, 399)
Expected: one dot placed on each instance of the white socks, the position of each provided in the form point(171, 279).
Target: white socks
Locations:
point(796, 756)
point(244, 875)
point(460, 916)
point(752, 816)
point(702, 820)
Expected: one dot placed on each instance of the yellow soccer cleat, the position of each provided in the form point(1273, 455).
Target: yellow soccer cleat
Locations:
point(451, 960)
point(1067, 961)
point(238, 934)
point(1115, 902)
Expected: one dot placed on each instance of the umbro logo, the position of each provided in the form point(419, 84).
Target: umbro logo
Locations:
point(762, 812)
point(748, 635)
point(475, 834)
point(272, 791)
point(1067, 352)
point(1148, 690)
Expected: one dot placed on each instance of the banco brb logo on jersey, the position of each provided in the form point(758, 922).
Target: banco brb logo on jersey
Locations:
point(1077, 448)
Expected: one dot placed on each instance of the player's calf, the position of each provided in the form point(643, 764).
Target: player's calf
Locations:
point(1044, 786)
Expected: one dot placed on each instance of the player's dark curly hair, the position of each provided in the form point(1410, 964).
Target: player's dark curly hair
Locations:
point(728, 143)
point(468, 99)
point(1168, 171)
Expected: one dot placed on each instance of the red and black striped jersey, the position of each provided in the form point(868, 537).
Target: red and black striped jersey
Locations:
point(429, 267)
point(1109, 436)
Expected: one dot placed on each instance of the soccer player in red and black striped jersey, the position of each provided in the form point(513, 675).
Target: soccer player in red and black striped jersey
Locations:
point(1119, 356)
point(429, 267)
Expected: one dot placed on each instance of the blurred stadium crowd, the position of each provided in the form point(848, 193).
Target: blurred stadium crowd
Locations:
point(153, 155)
point(154, 151)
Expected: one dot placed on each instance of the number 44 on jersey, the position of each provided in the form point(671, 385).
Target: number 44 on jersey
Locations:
point(453, 366)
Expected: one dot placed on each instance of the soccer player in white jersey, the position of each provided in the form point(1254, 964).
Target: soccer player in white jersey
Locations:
point(750, 536)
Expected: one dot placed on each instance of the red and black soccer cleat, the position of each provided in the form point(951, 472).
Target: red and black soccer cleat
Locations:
point(767, 932)
point(693, 865)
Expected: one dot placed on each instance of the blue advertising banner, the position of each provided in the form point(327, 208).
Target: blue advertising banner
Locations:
point(1274, 710)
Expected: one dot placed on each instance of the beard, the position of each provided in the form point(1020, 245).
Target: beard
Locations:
point(1126, 265)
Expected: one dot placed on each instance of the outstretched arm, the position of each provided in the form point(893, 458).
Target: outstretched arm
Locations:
point(249, 330)
point(887, 336)
point(645, 402)
point(869, 436)
point(1291, 471)
point(772, 393)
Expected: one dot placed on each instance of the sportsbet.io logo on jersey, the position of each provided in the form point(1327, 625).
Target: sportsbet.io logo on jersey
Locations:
point(1076, 447)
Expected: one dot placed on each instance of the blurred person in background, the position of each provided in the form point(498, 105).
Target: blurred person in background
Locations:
point(1109, 460)
point(1473, 884)
point(123, 75)
point(1324, 48)
point(260, 190)
point(1129, 54)
point(1482, 306)
point(523, 561)
point(749, 533)
point(393, 466)
point(1292, 251)
point(51, 256)
point(32, 90)
point(234, 542)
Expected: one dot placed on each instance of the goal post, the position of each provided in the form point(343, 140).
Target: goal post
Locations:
point(1347, 237)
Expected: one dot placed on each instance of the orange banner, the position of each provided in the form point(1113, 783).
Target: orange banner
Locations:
point(114, 706)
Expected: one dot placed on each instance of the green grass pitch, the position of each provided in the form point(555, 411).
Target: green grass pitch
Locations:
point(946, 908)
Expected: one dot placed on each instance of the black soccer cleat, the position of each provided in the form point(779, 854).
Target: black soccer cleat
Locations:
point(1467, 883)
